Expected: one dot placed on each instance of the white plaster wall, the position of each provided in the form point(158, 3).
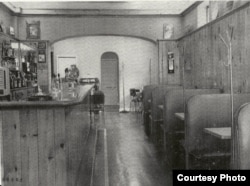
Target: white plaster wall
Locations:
point(133, 52)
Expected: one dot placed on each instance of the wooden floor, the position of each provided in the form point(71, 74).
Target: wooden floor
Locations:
point(131, 158)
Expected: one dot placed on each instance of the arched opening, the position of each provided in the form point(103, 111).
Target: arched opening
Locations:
point(110, 78)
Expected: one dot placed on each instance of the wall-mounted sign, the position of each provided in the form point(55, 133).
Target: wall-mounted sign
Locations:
point(41, 56)
point(42, 45)
point(170, 62)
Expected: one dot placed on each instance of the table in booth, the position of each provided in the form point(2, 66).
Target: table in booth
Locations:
point(180, 116)
point(161, 107)
point(219, 132)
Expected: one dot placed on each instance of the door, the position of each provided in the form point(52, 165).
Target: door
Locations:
point(110, 78)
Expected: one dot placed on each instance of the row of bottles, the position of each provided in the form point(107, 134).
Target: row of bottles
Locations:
point(17, 80)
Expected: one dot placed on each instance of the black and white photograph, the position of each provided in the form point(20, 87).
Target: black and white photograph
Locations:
point(124, 92)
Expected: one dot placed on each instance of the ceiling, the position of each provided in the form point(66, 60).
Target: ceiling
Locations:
point(129, 7)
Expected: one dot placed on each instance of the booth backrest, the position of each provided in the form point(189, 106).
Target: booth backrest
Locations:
point(241, 138)
point(147, 94)
point(174, 102)
point(204, 111)
point(158, 95)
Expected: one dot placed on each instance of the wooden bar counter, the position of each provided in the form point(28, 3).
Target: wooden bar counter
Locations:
point(42, 142)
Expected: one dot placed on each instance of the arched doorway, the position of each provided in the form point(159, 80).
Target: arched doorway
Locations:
point(110, 78)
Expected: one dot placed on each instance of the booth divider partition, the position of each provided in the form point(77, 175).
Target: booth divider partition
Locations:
point(206, 111)
point(173, 127)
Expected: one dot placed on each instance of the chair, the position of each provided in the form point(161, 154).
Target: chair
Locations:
point(134, 101)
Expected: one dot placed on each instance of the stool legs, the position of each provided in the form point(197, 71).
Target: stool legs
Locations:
point(132, 106)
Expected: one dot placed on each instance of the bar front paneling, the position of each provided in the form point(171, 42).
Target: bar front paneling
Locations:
point(43, 142)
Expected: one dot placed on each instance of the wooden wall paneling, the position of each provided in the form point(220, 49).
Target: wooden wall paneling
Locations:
point(225, 70)
point(46, 147)
point(198, 57)
point(177, 64)
point(211, 79)
point(25, 138)
point(186, 59)
point(182, 60)
point(69, 150)
point(215, 47)
point(11, 143)
point(207, 54)
point(205, 61)
point(166, 46)
point(241, 57)
point(189, 50)
point(247, 47)
point(195, 66)
point(1, 146)
point(29, 146)
point(216, 53)
point(73, 134)
point(200, 43)
point(211, 75)
point(160, 62)
point(60, 147)
point(235, 51)
point(223, 59)
point(77, 127)
point(244, 52)
point(213, 59)
point(173, 78)
point(179, 47)
point(201, 81)
point(192, 54)
point(237, 54)
point(164, 65)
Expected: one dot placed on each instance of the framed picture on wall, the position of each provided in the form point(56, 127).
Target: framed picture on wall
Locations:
point(33, 30)
point(41, 45)
point(41, 56)
point(168, 31)
point(12, 31)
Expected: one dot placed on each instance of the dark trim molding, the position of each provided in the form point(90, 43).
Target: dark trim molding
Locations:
point(7, 9)
point(89, 35)
point(189, 9)
point(97, 15)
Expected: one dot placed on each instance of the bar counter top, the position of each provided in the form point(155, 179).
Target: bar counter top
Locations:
point(81, 91)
